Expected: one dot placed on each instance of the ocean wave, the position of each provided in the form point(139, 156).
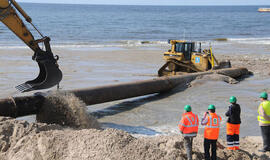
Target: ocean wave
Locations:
point(13, 47)
point(120, 44)
point(136, 43)
point(140, 42)
point(262, 40)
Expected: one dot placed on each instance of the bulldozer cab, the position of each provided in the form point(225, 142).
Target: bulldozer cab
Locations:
point(186, 48)
point(180, 50)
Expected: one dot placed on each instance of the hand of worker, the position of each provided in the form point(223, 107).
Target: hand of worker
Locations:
point(205, 114)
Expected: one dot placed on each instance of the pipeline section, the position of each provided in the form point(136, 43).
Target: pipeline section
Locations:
point(28, 105)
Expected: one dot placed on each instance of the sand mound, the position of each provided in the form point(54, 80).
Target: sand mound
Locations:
point(95, 145)
point(252, 62)
point(20, 140)
point(212, 77)
point(12, 131)
point(67, 110)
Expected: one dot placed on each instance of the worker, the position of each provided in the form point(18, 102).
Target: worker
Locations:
point(188, 126)
point(264, 121)
point(211, 132)
point(233, 124)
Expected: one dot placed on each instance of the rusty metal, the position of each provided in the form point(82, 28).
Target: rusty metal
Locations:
point(22, 106)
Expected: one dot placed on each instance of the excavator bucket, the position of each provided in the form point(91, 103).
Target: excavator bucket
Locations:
point(49, 72)
point(49, 76)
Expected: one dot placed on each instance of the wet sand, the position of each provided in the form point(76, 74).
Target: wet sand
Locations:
point(81, 68)
point(148, 115)
point(86, 68)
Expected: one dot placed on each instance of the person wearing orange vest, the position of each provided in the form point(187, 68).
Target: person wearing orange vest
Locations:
point(233, 124)
point(264, 121)
point(188, 126)
point(211, 132)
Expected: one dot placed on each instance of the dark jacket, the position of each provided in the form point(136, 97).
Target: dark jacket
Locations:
point(233, 114)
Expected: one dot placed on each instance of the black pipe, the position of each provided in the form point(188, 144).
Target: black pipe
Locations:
point(28, 105)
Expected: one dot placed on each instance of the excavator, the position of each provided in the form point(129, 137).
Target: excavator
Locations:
point(184, 57)
point(49, 72)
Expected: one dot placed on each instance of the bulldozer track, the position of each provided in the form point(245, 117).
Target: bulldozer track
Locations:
point(162, 71)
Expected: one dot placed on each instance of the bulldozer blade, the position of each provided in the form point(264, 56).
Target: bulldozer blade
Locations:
point(162, 71)
point(49, 76)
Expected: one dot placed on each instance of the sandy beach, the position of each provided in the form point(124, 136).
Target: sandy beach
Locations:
point(147, 129)
point(21, 141)
point(108, 43)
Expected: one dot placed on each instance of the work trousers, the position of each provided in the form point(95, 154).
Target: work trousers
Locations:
point(266, 137)
point(208, 143)
point(188, 146)
point(233, 135)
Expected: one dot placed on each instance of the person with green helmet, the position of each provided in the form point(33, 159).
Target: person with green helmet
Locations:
point(233, 124)
point(264, 121)
point(188, 126)
point(212, 121)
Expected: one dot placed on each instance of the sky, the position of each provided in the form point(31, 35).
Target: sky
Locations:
point(157, 2)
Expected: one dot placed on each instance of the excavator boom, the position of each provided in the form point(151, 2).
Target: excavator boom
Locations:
point(50, 74)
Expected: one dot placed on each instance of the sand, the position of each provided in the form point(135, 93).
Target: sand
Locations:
point(67, 110)
point(256, 63)
point(213, 77)
point(21, 140)
point(88, 68)
point(38, 141)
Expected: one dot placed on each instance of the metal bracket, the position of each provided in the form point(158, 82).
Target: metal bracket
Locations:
point(6, 13)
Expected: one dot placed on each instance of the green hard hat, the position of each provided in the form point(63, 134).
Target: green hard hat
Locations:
point(264, 95)
point(211, 106)
point(233, 99)
point(187, 108)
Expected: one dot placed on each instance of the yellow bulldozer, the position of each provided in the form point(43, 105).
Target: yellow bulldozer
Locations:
point(188, 57)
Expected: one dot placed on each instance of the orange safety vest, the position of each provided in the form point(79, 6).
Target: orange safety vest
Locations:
point(189, 124)
point(211, 130)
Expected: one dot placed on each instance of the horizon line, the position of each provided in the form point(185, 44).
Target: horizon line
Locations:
point(149, 4)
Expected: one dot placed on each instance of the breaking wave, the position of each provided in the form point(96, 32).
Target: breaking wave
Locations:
point(135, 43)
point(263, 40)
point(120, 44)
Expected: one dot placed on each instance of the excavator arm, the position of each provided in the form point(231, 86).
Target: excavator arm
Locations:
point(50, 74)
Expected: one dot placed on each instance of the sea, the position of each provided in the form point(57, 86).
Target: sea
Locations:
point(101, 26)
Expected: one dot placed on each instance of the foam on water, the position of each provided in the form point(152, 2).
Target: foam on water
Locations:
point(91, 45)
point(262, 41)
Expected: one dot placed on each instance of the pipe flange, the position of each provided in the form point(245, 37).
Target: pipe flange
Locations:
point(14, 107)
